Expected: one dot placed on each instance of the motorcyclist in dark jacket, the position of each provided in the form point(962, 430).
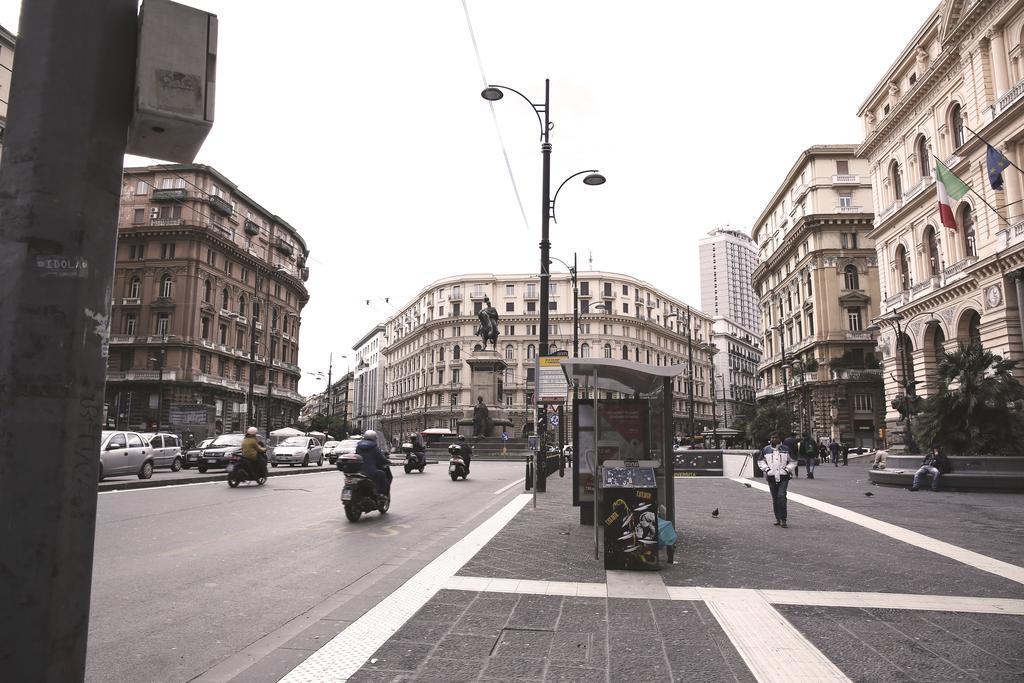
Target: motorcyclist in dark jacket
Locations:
point(464, 450)
point(375, 463)
point(419, 448)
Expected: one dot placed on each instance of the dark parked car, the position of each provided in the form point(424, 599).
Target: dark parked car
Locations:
point(220, 451)
point(194, 455)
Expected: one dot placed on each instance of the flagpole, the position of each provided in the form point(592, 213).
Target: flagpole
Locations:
point(983, 200)
point(994, 147)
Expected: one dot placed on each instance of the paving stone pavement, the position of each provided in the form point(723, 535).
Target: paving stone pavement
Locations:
point(465, 635)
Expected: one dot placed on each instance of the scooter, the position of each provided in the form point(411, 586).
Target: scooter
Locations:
point(413, 460)
point(456, 465)
point(241, 469)
point(360, 493)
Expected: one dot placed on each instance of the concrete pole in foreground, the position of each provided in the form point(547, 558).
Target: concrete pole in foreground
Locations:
point(60, 184)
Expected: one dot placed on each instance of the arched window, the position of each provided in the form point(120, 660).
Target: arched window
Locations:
point(273, 318)
point(456, 353)
point(967, 221)
point(531, 351)
point(255, 309)
point(851, 277)
point(969, 331)
point(625, 352)
point(585, 351)
point(956, 124)
point(166, 286)
point(931, 250)
point(510, 352)
point(440, 354)
point(207, 291)
point(225, 299)
point(894, 180)
point(924, 157)
point(134, 287)
point(607, 350)
point(241, 305)
point(938, 344)
point(902, 268)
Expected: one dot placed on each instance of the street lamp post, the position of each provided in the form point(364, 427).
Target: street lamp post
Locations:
point(725, 404)
point(573, 275)
point(689, 360)
point(160, 383)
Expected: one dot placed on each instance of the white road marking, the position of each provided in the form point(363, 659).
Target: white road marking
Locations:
point(772, 647)
point(518, 482)
point(344, 654)
point(968, 557)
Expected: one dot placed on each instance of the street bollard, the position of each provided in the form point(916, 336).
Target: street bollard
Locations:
point(529, 474)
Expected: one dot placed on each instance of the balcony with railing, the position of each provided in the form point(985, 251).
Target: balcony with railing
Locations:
point(918, 187)
point(958, 267)
point(897, 300)
point(845, 179)
point(890, 210)
point(220, 205)
point(1010, 235)
point(1007, 100)
point(164, 194)
point(165, 222)
point(131, 301)
point(859, 335)
point(140, 375)
point(849, 209)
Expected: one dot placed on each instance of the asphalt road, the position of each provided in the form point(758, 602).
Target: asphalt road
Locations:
point(187, 577)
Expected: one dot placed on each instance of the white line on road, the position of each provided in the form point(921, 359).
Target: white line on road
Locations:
point(344, 654)
point(517, 482)
point(968, 557)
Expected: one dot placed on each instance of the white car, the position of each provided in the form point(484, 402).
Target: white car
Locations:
point(125, 453)
point(297, 450)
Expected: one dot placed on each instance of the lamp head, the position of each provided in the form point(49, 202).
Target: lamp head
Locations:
point(594, 179)
point(491, 94)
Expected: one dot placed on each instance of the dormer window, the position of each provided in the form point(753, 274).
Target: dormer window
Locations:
point(913, 78)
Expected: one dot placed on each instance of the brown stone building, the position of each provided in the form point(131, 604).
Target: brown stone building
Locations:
point(207, 297)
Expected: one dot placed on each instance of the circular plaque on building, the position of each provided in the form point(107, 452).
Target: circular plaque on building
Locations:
point(994, 296)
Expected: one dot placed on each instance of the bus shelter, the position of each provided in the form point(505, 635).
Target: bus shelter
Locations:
point(622, 437)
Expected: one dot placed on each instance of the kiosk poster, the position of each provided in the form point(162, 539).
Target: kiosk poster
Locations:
point(630, 528)
point(584, 452)
point(624, 427)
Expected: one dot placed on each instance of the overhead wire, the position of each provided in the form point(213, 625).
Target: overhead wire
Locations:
point(494, 116)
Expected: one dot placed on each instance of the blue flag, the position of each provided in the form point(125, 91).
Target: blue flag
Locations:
point(996, 163)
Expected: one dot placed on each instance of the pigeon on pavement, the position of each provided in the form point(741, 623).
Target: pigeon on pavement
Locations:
point(746, 484)
point(714, 513)
point(868, 494)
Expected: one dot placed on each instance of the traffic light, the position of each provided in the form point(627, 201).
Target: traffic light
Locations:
point(542, 417)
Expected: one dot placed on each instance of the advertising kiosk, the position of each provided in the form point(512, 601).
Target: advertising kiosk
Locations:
point(622, 454)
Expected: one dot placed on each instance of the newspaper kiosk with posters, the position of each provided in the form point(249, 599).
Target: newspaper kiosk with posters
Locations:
point(630, 431)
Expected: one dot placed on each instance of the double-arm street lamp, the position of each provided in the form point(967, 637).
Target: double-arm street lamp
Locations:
point(575, 304)
point(896, 322)
point(493, 93)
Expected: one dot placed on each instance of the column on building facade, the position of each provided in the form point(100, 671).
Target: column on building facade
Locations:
point(997, 57)
point(1012, 183)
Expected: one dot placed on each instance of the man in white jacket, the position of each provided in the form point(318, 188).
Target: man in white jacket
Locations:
point(778, 465)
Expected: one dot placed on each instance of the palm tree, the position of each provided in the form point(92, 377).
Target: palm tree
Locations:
point(972, 413)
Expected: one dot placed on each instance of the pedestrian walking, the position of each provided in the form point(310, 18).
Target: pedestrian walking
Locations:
point(778, 463)
point(809, 453)
point(844, 450)
point(833, 449)
point(936, 464)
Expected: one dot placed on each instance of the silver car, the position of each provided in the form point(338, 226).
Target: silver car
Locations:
point(166, 450)
point(297, 450)
point(125, 453)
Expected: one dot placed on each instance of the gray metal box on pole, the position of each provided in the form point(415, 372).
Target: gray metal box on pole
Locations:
point(175, 76)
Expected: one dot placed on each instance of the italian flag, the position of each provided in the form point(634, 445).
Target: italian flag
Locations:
point(948, 186)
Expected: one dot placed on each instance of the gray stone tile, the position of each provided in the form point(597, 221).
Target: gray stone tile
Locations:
point(399, 655)
point(481, 624)
point(466, 646)
point(579, 647)
point(381, 676)
point(523, 644)
point(451, 670)
point(508, 669)
point(274, 666)
point(638, 668)
point(569, 673)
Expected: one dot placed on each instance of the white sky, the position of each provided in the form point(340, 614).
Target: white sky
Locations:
point(361, 124)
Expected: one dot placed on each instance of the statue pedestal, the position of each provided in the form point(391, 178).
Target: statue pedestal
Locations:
point(486, 370)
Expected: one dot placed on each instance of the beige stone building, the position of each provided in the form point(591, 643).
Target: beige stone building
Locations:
point(200, 267)
point(817, 285)
point(426, 378)
point(7, 40)
point(961, 71)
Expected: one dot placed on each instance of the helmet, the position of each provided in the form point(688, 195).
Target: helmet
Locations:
point(462, 437)
point(251, 431)
point(370, 435)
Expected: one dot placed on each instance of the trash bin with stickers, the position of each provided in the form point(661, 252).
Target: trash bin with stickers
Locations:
point(629, 514)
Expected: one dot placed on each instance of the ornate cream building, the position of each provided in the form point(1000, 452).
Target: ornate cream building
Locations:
point(426, 379)
point(201, 268)
point(961, 71)
point(817, 285)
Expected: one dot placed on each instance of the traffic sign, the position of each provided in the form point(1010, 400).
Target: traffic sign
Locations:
point(554, 419)
point(551, 383)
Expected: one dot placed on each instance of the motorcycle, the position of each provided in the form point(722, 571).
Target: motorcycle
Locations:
point(413, 460)
point(456, 465)
point(360, 493)
point(240, 469)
